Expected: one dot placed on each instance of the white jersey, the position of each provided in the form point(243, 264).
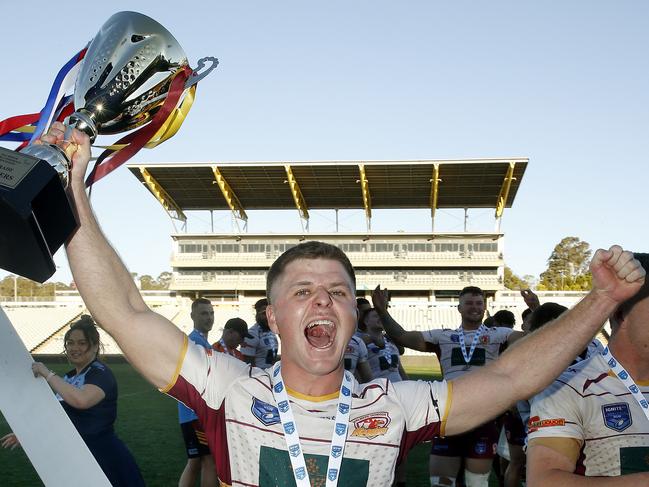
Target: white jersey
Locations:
point(590, 404)
point(384, 362)
point(262, 346)
point(595, 347)
point(355, 353)
point(451, 358)
point(236, 407)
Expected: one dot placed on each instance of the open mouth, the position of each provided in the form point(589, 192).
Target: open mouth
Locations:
point(320, 333)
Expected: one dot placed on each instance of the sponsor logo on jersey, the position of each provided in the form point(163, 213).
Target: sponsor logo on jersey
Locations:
point(485, 340)
point(371, 425)
point(455, 338)
point(617, 416)
point(535, 423)
point(264, 412)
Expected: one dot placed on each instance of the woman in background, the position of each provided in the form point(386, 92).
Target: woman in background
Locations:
point(88, 394)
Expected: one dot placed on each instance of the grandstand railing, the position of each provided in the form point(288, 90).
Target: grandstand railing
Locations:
point(359, 259)
point(392, 281)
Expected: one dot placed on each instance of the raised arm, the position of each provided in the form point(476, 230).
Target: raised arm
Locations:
point(408, 339)
point(483, 394)
point(149, 341)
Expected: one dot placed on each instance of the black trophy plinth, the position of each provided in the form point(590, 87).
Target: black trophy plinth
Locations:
point(36, 217)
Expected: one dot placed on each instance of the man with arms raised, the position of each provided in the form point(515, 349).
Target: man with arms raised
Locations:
point(460, 351)
point(307, 419)
point(591, 427)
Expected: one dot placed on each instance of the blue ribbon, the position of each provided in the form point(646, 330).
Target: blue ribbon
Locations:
point(54, 91)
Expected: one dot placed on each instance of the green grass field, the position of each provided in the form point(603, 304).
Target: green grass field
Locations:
point(147, 423)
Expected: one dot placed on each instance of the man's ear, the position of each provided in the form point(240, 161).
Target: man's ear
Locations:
point(272, 322)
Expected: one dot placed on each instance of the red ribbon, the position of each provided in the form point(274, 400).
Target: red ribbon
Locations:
point(110, 160)
point(12, 123)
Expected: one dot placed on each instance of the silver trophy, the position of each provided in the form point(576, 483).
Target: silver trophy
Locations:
point(122, 83)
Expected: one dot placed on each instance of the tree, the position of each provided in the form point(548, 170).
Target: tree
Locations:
point(164, 279)
point(512, 281)
point(568, 266)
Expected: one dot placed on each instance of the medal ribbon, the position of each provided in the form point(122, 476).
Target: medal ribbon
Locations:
point(627, 380)
point(476, 337)
point(292, 437)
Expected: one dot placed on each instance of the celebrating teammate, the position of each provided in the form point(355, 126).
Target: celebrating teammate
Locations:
point(460, 350)
point(306, 419)
point(593, 422)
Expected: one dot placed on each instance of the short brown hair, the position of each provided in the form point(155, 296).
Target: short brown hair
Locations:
point(473, 290)
point(308, 250)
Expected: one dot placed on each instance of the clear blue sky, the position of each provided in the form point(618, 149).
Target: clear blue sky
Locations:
point(563, 83)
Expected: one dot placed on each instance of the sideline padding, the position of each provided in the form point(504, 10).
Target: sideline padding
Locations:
point(45, 432)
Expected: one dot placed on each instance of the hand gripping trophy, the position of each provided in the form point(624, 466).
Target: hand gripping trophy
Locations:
point(133, 75)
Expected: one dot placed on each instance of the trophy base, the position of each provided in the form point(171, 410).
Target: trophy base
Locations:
point(36, 217)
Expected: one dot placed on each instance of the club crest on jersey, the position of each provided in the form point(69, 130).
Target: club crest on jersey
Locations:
point(336, 451)
point(294, 450)
point(332, 474)
point(289, 428)
point(264, 412)
point(481, 448)
point(300, 473)
point(617, 416)
point(371, 425)
point(283, 406)
point(455, 338)
point(485, 340)
point(343, 408)
point(341, 429)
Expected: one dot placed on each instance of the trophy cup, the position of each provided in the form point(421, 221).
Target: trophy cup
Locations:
point(124, 80)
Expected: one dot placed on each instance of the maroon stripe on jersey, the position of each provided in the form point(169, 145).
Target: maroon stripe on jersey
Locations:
point(212, 421)
point(615, 436)
point(411, 438)
point(601, 394)
point(425, 433)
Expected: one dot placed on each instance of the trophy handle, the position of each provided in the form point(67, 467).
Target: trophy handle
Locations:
point(197, 74)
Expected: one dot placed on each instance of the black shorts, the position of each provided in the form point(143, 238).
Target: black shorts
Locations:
point(477, 443)
point(195, 439)
point(514, 429)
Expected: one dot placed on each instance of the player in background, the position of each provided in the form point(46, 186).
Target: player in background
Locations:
point(235, 331)
point(261, 349)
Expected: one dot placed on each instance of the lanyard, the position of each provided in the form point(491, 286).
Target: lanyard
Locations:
point(292, 437)
point(476, 337)
point(627, 380)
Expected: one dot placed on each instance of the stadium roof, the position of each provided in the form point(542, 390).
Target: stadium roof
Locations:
point(241, 186)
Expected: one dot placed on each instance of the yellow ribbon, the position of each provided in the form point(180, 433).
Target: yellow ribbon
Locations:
point(171, 125)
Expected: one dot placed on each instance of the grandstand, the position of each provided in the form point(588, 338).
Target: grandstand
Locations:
point(424, 271)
